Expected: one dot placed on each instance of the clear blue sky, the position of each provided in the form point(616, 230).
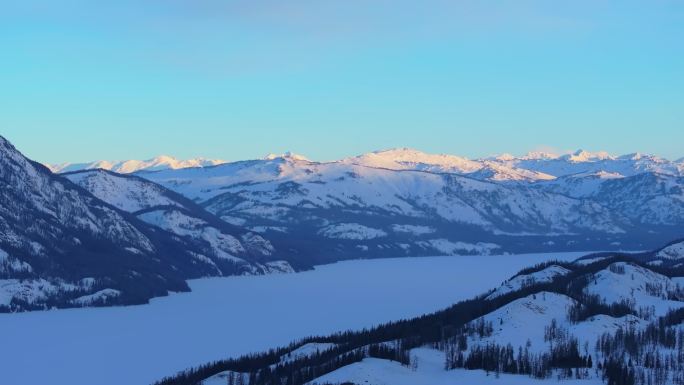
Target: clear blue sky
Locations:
point(233, 79)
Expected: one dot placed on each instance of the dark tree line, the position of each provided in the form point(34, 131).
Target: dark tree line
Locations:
point(588, 306)
point(564, 354)
point(652, 355)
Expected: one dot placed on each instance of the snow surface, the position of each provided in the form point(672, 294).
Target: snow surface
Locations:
point(226, 317)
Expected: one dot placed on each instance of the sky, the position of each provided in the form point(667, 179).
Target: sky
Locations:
point(82, 80)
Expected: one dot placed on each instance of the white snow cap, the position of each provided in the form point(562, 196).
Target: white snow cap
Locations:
point(289, 155)
point(586, 156)
point(537, 155)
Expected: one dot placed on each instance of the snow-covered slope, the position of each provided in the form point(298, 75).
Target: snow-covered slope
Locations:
point(626, 282)
point(130, 166)
point(524, 320)
point(520, 281)
point(674, 251)
point(127, 193)
point(226, 248)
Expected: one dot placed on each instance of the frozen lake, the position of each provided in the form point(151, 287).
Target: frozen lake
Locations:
point(226, 317)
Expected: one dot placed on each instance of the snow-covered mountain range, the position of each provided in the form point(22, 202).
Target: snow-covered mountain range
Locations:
point(534, 166)
point(130, 166)
point(61, 246)
point(406, 202)
point(606, 318)
point(220, 241)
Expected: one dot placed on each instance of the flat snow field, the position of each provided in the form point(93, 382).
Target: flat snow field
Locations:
point(226, 317)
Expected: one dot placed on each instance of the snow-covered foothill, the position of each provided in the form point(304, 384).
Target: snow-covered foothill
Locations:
point(674, 251)
point(126, 193)
point(520, 281)
point(630, 283)
point(525, 319)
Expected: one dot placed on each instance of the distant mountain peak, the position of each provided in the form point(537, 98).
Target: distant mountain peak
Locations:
point(586, 156)
point(161, 162)
point(405, 158)
point(639, 156)
point(503, 157)
point(164, 158)
point(399, 151)
point(288, 155)
point(540, 155)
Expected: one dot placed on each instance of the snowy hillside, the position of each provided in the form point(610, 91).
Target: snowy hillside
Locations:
point(615, 320)
point(673, 251)
point(360, 202)
point(127, 193)
point(226, 249)
point(520, 281)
